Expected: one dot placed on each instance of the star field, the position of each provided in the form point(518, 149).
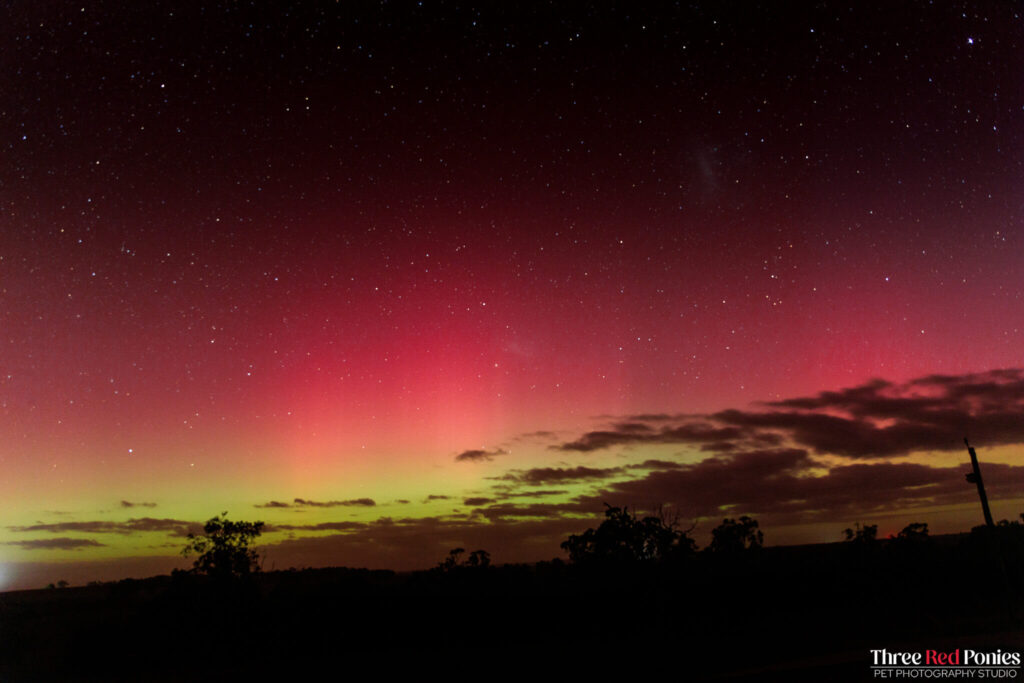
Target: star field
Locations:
point(254, 253)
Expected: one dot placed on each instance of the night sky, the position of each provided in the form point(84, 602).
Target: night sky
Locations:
point(400, 277)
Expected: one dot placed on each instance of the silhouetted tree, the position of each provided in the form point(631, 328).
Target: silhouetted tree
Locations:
point(452, 561)
point(1006, 530)
point(223, 549)
point(734, 536)
point(863, 535)
point(623, 537)
point(914, 532)
point(479, 559)
point(1008, 523)
point(911, 545)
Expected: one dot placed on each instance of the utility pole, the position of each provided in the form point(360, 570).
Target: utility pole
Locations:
point(974, 477)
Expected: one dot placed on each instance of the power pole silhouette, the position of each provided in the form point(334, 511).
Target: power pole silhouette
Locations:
point(974, 477)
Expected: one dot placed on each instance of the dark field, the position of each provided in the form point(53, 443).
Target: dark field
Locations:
point(784, 613)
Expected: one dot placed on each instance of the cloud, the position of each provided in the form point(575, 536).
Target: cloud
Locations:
point(357, 502)
point(788, 483)
point(723, 447)
point(533, 494)
point(637, 433)
point(539, 434)
point(56, 544)
point(479, 455)
point(128, 504)
point(851, 437)
point(435, 496)
point(877, 419)
point(547, 510)
point(655, 465)
point(176, 527)
point(881, 419)
point(322, 526)
point(302, 502)
point(634, 427)
point(476, 502)
point(549, 475)
point(659, 417)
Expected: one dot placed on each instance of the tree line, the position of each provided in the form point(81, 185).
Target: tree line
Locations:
point(225, 548)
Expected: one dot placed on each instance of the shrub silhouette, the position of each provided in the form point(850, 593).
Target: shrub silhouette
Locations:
point(478, 559)
point(734, 536)
point(1005, 523)
point(623, 537)
point(223, 549)
point(914, 533)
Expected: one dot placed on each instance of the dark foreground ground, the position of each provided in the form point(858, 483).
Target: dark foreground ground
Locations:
point(810, 613)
